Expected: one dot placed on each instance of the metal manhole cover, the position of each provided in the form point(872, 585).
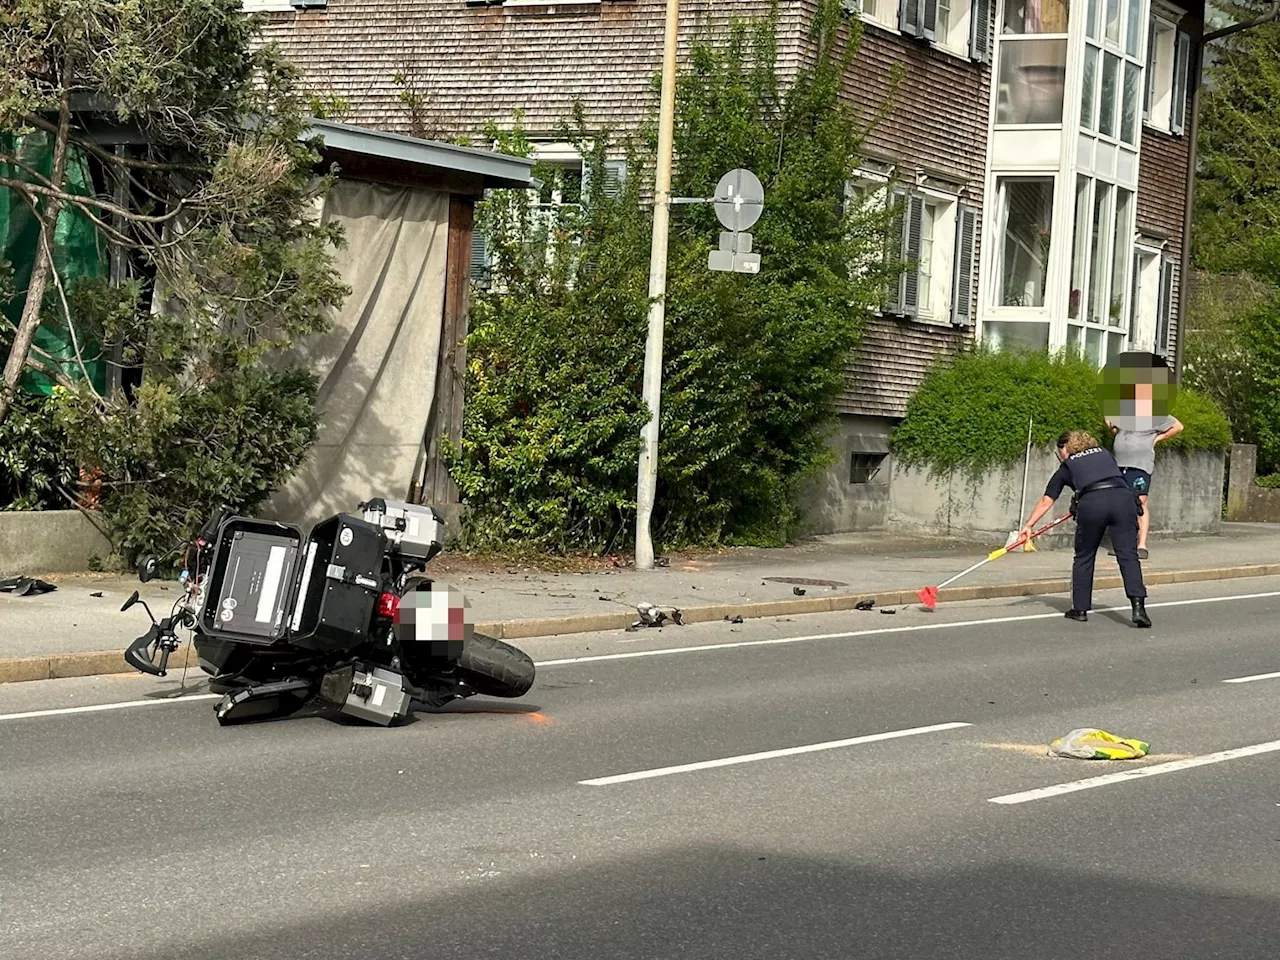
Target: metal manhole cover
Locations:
point(806, 582)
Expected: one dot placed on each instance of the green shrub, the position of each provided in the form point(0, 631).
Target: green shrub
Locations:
point(751, 363)
point(971, 412)
point(1205, 425)
point(34, 460)
point(172, 457)
point(1270, 482)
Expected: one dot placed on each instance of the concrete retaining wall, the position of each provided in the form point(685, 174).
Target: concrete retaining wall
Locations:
point(1186, 498)
point(1186, 493)
point(1245, 502)
point(49, 541)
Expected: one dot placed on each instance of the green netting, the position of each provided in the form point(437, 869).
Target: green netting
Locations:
point(78, 252)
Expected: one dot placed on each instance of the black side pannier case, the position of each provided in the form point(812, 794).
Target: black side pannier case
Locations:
point(339, 584)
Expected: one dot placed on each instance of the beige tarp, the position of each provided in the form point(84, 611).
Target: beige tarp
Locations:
point(377, 365)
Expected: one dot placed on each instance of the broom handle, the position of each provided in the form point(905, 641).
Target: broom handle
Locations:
point(996, 554)
point(962, 573)
point(1026, 468)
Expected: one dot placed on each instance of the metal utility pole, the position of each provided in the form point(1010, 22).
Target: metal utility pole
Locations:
point(648, 465)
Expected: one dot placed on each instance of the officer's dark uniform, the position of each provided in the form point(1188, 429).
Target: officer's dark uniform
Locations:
point(1103, 501)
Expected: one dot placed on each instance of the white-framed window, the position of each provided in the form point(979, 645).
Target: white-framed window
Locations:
point(1018, 262)
point(960, 27)
point(555, 205)
point(933, 233)
point(1144, 303)
point(1031, 73)
point(883, 13)
point(1168, 62)
point(1113, 70)
point(1105, 275)
point(953, 27)
point(1024, 225)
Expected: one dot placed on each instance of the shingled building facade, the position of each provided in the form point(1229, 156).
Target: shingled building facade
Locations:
point(1041, 142)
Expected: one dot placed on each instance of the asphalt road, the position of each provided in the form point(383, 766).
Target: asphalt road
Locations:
point(571, 825)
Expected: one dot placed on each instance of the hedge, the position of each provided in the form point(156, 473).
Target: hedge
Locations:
point(971, 412)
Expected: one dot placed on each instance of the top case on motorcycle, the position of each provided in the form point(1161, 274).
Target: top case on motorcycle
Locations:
point(413, 530)
point(338, 584)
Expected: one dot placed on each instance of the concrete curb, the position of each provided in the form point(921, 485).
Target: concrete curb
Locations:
point(99, 663)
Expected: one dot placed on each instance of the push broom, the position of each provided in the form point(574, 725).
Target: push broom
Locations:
point(929, 595)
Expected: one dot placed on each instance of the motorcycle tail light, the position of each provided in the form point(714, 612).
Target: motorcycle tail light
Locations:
point(388, 605)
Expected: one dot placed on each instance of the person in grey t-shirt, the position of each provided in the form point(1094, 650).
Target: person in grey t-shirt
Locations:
point(1136, 436)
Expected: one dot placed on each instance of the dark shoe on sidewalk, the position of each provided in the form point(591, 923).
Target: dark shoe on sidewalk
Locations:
point(1140, 617)
point(1081, 615)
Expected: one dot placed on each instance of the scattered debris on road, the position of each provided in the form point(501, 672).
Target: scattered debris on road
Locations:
point(651, 616)
point(865, 604)
point(25, 586)
point(1088, 743)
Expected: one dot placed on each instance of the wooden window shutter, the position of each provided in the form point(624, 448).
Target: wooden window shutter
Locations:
point(911, 17)
point(480, 261)
point(1181, 69)
point(980, 30)
point(615, 172)
point(1164, 308)
point(895, 244)
point(909, 298)
point(615, 175)
point(962, 272)
point(1135, 294)
point(929, 19)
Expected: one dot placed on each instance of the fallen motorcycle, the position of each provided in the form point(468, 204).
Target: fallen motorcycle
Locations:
point(340, 619)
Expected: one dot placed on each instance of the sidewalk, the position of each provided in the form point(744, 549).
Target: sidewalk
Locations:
point(513, 602)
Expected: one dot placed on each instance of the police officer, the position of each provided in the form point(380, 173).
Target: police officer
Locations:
point(1103, 501)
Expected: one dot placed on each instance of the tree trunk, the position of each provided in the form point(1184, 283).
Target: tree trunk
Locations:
point(43, 265)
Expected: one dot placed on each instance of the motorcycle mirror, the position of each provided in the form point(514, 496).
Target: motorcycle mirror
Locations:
point(147, 568)
point(130, 602)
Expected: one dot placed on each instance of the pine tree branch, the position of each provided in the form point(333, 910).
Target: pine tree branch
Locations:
point(64, 197)
point(106, 156)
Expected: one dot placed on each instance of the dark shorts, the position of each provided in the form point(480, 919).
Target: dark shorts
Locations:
point(1139, 480)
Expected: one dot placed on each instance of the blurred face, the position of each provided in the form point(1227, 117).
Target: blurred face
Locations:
point(1143, 395)
point(1136, 384)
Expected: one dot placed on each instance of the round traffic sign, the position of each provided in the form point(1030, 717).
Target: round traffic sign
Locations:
point(739, 199)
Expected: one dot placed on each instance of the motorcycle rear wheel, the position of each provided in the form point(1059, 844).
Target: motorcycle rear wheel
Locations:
point(495, 669)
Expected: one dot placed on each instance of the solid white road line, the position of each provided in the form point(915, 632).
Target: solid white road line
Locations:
point(702, 648)
point(769, 754)
point(107, 706)
point(1138, 773)
point(1260, 676)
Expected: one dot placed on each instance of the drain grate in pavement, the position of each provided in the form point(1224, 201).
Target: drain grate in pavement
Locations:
point(806, 582)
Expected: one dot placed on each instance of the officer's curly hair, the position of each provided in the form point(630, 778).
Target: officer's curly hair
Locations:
point(1076, 440)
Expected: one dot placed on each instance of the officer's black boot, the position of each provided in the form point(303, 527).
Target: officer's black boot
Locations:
point(1140, 617)
point(1080, 615)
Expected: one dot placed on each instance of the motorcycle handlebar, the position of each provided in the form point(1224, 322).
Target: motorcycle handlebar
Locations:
point(137, 657)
